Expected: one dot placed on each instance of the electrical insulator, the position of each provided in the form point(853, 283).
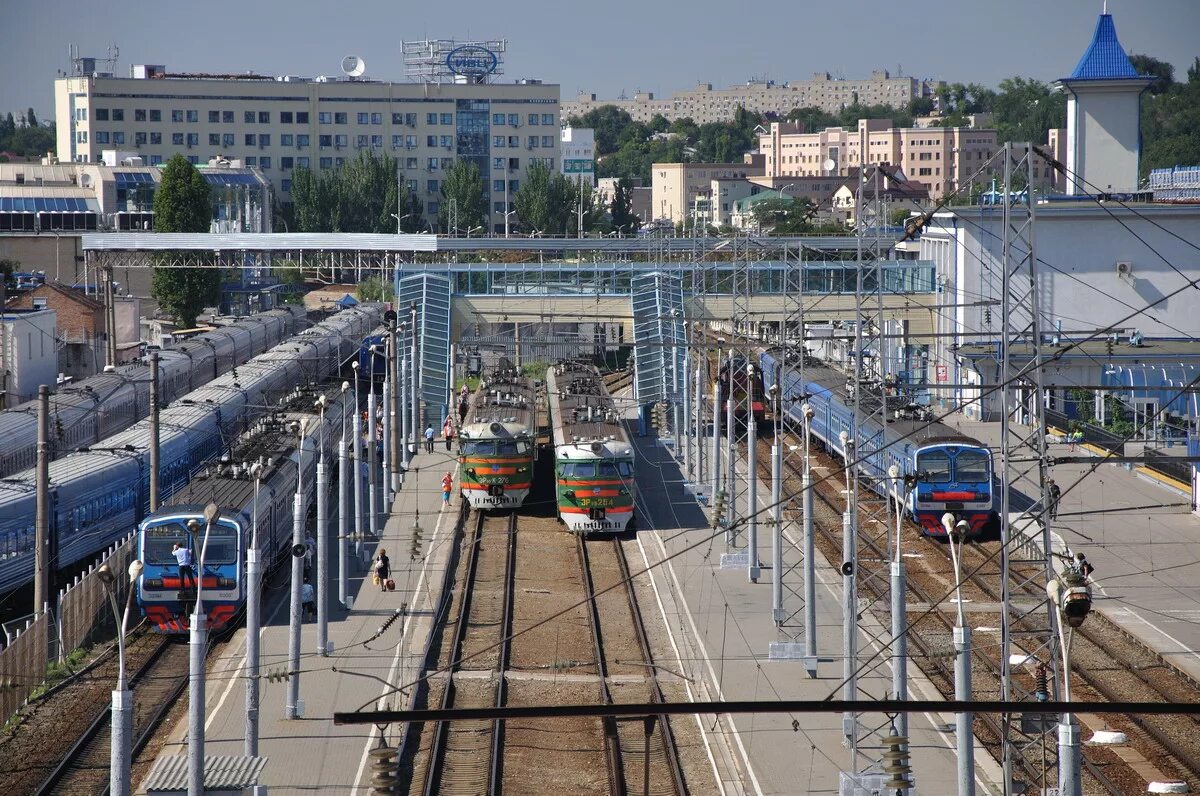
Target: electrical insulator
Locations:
point(896, 763)
point(383, 770)
point(718, 514)
point(277, 676)
point(1041, 684)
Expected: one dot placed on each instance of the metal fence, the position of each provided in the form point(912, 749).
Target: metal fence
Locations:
point(23, 664)
point(1168, 465)
point(83, 605)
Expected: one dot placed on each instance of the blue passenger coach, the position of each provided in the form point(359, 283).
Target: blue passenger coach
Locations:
point(953, 473)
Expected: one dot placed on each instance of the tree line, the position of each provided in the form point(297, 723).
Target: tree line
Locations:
point(25, 137)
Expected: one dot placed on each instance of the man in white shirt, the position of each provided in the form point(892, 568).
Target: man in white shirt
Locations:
point(183, 557)
point(308, 600)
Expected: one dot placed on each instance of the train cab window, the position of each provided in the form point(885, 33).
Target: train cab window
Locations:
point(971, 467)
point(934, 467)
point(159, 540)
point(222, 546)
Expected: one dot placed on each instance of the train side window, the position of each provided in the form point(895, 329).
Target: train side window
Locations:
point(971, 467)
point(934, 467)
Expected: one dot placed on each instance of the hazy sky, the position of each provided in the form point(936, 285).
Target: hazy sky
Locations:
point(604, 46)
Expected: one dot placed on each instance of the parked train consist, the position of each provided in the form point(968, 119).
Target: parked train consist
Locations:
point(98, 494)
point(497, 440)
point(271, 451)
point(87, 411)
point(593, 455)
point(954, 473)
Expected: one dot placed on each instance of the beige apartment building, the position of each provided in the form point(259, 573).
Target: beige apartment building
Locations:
point(279, 124)
point(705, 104)
point(683, 190)
point(940, 158)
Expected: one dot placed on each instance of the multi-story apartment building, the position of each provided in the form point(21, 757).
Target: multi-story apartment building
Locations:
point(579, 154)
point(682, 191)
point(705, 104)
point(279, 124)
point(943, 159)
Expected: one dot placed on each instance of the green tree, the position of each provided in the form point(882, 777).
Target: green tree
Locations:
point(463, 203)
point(31, 118)
point(787, 215)
point(8, 267)
point(182, 203)
point(1026, 109)
point(1162, 72)
point(547, 202)
point(607, 121)
point(621, 209)
point(374, 289)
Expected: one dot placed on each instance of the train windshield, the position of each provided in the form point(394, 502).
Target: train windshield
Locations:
point(597, 469)
point(934, 466)
point(222, 546)
point(159, 540)
point(495, 447)
point(971, 467)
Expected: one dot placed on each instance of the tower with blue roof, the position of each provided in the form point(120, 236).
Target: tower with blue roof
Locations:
point(1104, 96)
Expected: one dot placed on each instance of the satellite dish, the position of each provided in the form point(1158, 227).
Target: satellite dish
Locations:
point(353, 66)
point(828, 164)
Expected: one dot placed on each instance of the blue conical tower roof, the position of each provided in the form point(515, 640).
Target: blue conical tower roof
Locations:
point(1105, 58)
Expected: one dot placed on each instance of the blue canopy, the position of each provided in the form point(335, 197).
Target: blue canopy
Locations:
point(347, 301)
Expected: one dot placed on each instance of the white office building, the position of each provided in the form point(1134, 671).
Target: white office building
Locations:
point(578, 154)
point(277, 124)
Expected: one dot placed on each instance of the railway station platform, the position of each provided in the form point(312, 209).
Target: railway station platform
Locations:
point(1141, 537)
point(722, 626)
point(311, 754)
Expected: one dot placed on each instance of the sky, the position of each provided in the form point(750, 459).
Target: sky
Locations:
point(603, 47)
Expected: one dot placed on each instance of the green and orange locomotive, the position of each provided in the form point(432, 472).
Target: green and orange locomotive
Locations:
point(497, 440)
point(593, 456)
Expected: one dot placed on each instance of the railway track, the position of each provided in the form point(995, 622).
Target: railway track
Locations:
point(1172, 749)
point(156, 685)
point(618, 380)
point(467, 757)
point(528, 627)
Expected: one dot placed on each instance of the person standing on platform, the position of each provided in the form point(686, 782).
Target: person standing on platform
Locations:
point(429, 439)
point(308, 600)
point(447, 484)
point(383, 569)
point(448, 432)
point(1053, 493)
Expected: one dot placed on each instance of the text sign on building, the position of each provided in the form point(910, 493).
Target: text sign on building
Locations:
point(471, 60)
point(942, 376)
point(578, 166)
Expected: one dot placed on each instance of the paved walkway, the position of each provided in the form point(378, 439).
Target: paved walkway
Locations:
point(1143, 540)
point(311, 753)
point(722, 624)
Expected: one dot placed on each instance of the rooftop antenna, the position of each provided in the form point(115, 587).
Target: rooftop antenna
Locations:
point(353, 66)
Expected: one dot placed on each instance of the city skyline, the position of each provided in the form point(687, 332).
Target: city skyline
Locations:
point(635, 47)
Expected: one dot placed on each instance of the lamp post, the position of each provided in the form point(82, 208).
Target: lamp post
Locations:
point(356, 464)
point(322, 560)
point(899, 605)
point(809, 544)
point(344, 503)
point(122, 699)
point(197, 646)
point(253, 617)
point(1072, 600)
point(414, 369)
point(849, 601)
point(292, 706)
point(964, 732)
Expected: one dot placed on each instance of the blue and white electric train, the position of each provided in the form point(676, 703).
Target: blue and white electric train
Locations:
point(274, 444)
point(87, 411)
point(953, 472)
point(99, 494)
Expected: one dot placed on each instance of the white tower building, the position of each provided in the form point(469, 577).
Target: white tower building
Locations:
point(1103, 116)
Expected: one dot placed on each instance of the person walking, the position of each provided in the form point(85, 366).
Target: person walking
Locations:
point(308, 600)
point(448, 432)
point(447, 484)
point(429, 439)
point(1054, 493)
point(183, 558)
point(383, 568)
